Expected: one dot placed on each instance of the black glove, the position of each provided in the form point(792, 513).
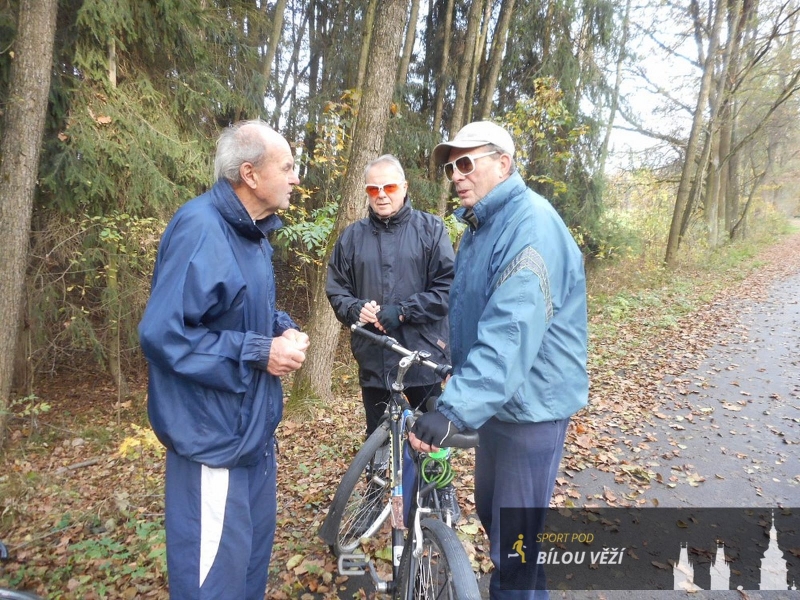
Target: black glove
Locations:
point(389, 317)
point(355, 311)
point(434, 428)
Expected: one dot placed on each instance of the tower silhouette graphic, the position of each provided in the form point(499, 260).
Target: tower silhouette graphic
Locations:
point(774, 571)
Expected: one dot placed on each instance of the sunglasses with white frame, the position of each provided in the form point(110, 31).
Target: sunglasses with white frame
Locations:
point(464, 164)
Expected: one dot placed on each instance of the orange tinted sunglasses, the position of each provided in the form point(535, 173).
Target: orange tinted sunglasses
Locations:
point(373, 191)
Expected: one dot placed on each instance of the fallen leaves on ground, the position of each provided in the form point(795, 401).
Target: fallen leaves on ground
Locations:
point(81, 489)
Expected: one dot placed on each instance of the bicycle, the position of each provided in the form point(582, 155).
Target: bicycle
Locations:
point(6, 594)
point(431, 562)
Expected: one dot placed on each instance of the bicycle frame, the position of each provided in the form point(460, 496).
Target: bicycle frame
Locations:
point(400, 414)
point(400, 420)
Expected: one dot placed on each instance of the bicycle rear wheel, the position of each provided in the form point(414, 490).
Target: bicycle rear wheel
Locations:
point(441, 571)
point(361, 502)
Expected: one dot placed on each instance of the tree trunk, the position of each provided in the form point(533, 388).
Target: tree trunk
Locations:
point(725, 145)
point(727, 116)
point(112, 63)
point(369, 23)
point(489, 85)
point(689, 170)
point(711, 205)
point(114, 315)
point(441, 82)
point(478, 59)
point(465, 68)
point(462, 84)
point(740, 55)
point(408, 45)
point(280, 91)
point(313, 380)
point(273, 42)
point(23, 127)
point(732, 184)
point(719, 100)
point(612, 111)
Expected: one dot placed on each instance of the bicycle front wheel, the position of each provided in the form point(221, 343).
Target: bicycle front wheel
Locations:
point(361, 503)
point(442, 569)
point(15, 595)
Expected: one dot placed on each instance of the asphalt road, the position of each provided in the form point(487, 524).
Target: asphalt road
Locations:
point(730, 434)
point(735, 419)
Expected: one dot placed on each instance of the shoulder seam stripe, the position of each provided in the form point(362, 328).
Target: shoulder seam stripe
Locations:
point(530, 259)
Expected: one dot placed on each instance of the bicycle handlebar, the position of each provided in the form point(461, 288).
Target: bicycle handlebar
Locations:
point(469, 438)
point(392, 344)
point(462, 439)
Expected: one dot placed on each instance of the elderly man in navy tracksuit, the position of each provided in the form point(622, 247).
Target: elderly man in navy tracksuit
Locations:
point(216, 347)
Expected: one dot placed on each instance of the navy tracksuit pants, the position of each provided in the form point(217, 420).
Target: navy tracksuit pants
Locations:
point(220, 527)
point(516, 466)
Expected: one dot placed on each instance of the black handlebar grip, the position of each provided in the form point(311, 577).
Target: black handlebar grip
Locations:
point(383, 340)
point(463, 439)
point(443, 371)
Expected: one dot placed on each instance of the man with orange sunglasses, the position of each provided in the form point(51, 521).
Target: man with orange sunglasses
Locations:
point(392, 271)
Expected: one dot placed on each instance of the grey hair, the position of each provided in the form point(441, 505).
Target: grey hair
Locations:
point(238, 144)
point(513, 168)
point(390, 159)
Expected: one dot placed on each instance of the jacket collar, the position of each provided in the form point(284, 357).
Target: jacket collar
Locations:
point(233, 211)
point(400, 216)
point(492, 202)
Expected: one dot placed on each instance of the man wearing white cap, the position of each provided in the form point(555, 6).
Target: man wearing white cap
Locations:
point(518, 338)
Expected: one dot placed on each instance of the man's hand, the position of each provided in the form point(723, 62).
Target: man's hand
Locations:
point(430, 432)
point(389, 317)
point(369, 312)
point(298, 337)
point(287, 353)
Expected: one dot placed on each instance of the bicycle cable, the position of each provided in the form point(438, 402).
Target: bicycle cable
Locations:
point(437, 469)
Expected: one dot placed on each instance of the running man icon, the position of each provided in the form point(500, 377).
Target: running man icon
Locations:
point(519, 548)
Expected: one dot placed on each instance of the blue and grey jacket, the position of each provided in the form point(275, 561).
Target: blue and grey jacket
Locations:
point(518, 331)
point(207, 332)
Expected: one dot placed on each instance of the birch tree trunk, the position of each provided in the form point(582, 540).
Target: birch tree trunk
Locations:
point(23, 127)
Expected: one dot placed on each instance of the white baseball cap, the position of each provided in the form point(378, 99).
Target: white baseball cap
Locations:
point(474, 135)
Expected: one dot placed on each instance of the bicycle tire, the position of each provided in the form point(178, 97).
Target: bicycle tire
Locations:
point(443, 571)
point(360, 503)
point(15, 595)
